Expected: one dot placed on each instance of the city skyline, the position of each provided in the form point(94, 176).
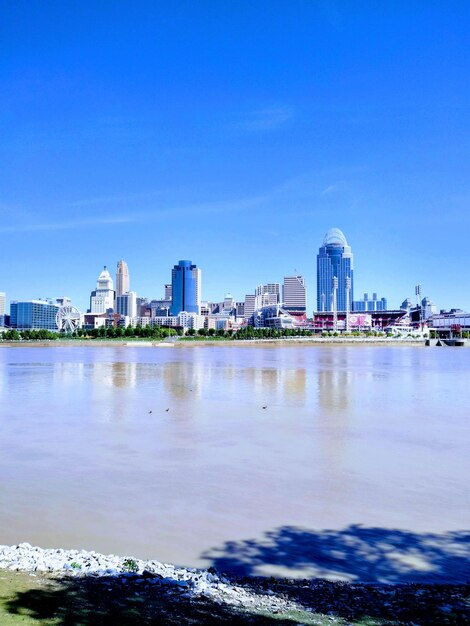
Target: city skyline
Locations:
point(287, 120)
point(107, 287)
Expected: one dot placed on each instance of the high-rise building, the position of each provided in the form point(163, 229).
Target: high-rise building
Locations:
point(33, 314)
point(250, 305)
point(126, 304)
point(122, 278)
point(274, 289)
point(366, 304)
point(167, 292)
point(2, 309)
point(102, 299)
point(294, 294)
point(185, 288)
point(335, 261)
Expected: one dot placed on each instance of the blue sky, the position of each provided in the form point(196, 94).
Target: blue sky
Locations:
point(234, 134)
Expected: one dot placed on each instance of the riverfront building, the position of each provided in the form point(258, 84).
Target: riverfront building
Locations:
point(294, 294)
point(122, 278)
point(334, 261)
point(102, 299)
point(185, 288)
point(33, 314)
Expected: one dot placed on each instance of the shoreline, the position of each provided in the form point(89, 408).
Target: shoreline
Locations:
point(205, 596)
point(145, 343)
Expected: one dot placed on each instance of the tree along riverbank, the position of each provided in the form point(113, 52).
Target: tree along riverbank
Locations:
point(70, 587)
point(207, 342)
point(160, 333)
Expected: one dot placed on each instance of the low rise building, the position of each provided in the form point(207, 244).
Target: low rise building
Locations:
point(34, 315)
point(455, 320)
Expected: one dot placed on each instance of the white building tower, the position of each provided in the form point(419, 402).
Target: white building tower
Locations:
point(102, 299)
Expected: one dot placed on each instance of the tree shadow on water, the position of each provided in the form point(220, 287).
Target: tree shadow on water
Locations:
point(355, 553)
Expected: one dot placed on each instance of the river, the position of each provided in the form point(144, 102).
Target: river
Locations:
point(187, 454)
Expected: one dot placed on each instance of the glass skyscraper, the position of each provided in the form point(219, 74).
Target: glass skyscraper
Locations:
point(334, 260)
point(185, 288)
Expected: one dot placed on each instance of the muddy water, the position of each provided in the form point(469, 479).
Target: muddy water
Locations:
point(168, 453)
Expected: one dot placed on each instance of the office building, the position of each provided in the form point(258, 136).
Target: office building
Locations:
point(33, 315)
point(126, 304)
point(335, 282)
point(250, 305)
point(367, 304)
point(2, 309)
point(102, 299)
point(428, 308)
point(239, 309)
point(159, 308)
point(167, 292)
point(185, 288)
point(274, 291)
point(122, 278)
point(294, 294)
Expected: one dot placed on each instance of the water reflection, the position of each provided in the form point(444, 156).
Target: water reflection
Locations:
point(348, 436)
point(335, 388)
point(123, 374)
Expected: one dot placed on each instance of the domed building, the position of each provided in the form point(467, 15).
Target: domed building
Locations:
point(335, 261)
point(102, 299)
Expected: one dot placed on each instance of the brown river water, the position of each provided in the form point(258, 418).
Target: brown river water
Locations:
point(358, 467)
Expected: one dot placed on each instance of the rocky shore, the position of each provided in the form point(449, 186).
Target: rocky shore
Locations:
point(80, 563)
point(175, 595)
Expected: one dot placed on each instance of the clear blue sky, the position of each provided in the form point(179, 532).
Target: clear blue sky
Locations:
point(234, 134)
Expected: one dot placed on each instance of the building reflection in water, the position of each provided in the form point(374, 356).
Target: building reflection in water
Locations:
point(183, 380)
point(335, 403)
point(334, 382)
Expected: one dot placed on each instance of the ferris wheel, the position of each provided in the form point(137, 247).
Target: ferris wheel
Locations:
point(68, 318)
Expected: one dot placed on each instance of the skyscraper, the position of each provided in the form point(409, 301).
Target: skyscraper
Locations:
point(2, 309)
point(102, 299)
point(334, 260)
point(185, 288)
point(294, 294)
point(122, 278)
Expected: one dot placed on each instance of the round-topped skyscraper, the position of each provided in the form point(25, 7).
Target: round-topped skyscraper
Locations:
point(334, 260)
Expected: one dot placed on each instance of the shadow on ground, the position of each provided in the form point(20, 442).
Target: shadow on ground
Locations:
point(355, 553)
point(117, 602)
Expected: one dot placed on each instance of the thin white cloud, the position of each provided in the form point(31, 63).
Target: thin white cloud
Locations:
point(65, 225)
point(266, 119)
point(114, 199)
point(224, 207)
point(304, 189)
